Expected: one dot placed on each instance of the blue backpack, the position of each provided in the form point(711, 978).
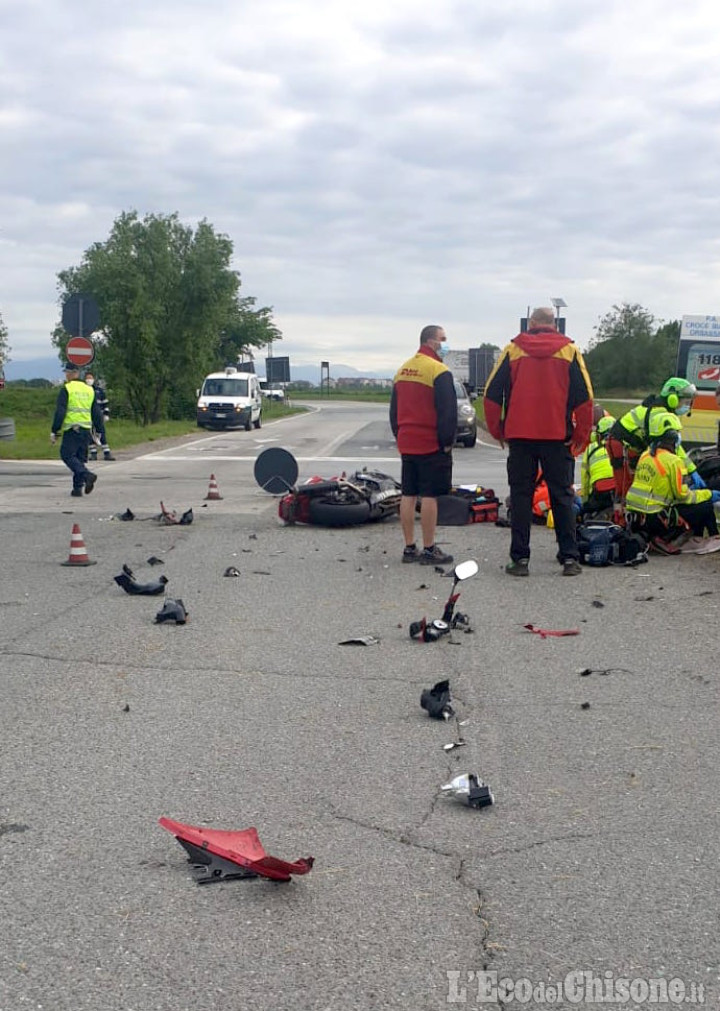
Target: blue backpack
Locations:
point(603, 543)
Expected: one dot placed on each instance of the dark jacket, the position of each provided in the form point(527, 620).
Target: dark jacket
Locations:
point(423, 405)
point(540, 389)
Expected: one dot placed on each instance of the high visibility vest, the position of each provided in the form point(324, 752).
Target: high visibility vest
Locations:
point(79, 407)
point(659, 483)
point(633, 424)
point(596, 473)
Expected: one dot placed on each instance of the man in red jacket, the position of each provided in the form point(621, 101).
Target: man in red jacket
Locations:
point(538, 399)
point(423, 418)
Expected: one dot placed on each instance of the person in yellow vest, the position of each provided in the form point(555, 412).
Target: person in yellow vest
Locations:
point(76, 412)
point(597, 478)
point(660, 495)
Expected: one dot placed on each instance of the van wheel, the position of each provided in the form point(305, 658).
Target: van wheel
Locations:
point(470, 440)
point(258, 423)
point(247, 425)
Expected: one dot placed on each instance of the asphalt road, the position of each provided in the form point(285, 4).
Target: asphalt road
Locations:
point(600, 853)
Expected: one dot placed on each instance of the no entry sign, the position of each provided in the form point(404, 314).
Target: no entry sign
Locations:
point(80, 351)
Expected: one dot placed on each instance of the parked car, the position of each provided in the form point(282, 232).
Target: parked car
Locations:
point(272, 391)
point(466, 417)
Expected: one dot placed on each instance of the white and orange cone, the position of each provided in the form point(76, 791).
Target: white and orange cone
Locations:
point(78, 551)
point(213, 491)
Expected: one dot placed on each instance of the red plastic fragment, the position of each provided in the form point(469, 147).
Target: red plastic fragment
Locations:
point(242, 848)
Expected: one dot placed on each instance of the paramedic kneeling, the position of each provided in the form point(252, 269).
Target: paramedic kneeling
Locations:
point(659, 492)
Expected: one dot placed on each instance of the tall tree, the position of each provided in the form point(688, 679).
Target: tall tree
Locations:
point(4, 346)
point(621, 354)
point(166, 295)
point(247, 328)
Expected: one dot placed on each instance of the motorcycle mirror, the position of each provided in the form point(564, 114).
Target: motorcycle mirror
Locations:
point(276, 470)
point(463, 570)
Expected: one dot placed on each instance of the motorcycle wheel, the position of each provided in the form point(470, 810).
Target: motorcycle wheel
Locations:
point(326, 513)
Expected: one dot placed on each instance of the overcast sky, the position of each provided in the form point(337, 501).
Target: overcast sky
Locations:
point(378, 165)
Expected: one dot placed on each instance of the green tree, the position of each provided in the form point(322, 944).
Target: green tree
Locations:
point(621, 354)
point(246, 328)
point(166, 295)
point(4, 346)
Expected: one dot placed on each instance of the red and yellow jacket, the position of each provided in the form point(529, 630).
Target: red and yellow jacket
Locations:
point(423, 405)
point(540, 389)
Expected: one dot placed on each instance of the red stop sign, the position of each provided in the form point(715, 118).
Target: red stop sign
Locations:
point(80, 351)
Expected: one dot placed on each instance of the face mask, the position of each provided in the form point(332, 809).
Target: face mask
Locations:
point(683, 409)
point(440, 350)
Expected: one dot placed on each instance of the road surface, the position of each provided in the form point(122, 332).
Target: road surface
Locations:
point(601, 853)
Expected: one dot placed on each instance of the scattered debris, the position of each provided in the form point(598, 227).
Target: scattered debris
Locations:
point(587, 671)
point(130, 585)
point(470, 790)
point(436, 701)
point(252, 537)
point(545, 632)
point(172, 610)
point(459, 741)
point(154, 560)
point(361, 640)
point(127, 516)
point(584, 705)
point(217, 855)
point(261, 572)
point(231, 571)
point(423, 586)
point(170, 517)
point(597, 603)
point(126, 708)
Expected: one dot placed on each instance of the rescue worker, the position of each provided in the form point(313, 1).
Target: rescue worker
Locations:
point(102, 402)
point(660, 498)
point(597, 478)
point(76, 412)
point(629, 436)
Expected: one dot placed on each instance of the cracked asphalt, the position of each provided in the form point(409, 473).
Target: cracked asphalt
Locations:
point(600, 854)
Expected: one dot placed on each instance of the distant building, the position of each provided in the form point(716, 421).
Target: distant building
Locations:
point(363, 382)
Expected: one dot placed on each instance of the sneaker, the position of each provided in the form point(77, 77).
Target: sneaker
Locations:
point(90, 483)
point(434, 556)
point(518, 568)
point(663, 547)
point(108, 456)
point(92, 457)
point(76, 492)
point(410, 554)
point(571, 567)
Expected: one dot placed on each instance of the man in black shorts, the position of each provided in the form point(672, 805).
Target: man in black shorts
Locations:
point(423, 418)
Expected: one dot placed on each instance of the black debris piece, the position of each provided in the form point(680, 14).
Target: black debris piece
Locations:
point(597, 603)
point(154, 560)
point(172, 610)
point(127, 516)
point(186, 518)
point(360, 640)
point(436, 701)
point(231, 571)
point(584, 705)
point(126, 708)
point(252, 537)
point(127, 581)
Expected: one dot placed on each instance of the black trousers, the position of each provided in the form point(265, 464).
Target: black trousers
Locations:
point(558, 467)
point(73, 452)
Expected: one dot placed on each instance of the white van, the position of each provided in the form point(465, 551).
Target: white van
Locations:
point(229, 399)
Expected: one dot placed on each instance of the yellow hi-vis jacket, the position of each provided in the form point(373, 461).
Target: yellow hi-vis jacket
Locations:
point(631, 429)
point(79, 406)
point(596, 473)
point(660, 483)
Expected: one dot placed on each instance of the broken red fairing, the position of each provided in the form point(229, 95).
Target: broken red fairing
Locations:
point(216, 854)
point(545, 632)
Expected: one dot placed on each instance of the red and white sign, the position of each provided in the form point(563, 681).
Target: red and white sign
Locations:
point(80, 351)
point(711, 374)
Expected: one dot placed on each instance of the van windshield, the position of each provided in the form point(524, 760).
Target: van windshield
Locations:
point(225, 388)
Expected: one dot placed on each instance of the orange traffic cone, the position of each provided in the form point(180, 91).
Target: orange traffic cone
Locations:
point(78, 551)
point(213, 490)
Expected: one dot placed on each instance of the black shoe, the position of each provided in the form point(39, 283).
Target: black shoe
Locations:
point(108, 456)
point(518, 568)
point(90, 482)
point(410, 554)
point(434, 556)
point(571, 567)
point(76, 492)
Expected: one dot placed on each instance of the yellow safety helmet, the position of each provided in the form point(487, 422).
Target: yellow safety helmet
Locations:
point(664, 423)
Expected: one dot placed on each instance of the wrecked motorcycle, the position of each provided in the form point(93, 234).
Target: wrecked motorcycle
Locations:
point(365, 496)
